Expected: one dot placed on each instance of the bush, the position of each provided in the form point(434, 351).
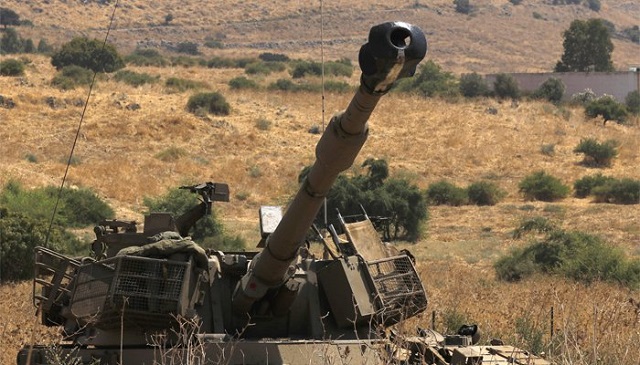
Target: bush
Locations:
point(241, 82)
point(337, 86)
point(71, 76)
point(583, 98)
point(19, 235)
point(90, 54)
point(473, 85)
point(462, 6)
point(11, 67)
point(543, 187)
point(134, 78)
point(11, 42)
point(597, 154)
point(82, 207)
point(594, 5)
point(220, 62)
point(607, 107)
point(212, 102)
point(146, 57)
point(312, 68)
point(273, 57)
point(623, 191)
point(446, 193)
point(506, 86)
point(633, 33)
point(44, 47)
point(584, 187)
point(632, 101)
point(264, 68)
point(485, 193)
point(190, 48)
point(213, 43)
point(551, 90)
point(180, 85)
point(576, 255)
point(430, 81)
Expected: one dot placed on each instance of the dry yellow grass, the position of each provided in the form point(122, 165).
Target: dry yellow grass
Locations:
point(426, 140)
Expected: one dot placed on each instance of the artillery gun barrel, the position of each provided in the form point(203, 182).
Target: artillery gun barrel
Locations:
point(393, 51)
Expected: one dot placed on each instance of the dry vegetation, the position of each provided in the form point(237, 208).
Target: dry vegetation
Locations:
point(423, 139)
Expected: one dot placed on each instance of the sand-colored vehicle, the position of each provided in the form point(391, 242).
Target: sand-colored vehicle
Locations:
point(156, 297)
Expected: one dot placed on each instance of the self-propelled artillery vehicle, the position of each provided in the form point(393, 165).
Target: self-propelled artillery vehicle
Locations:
point(156, 297)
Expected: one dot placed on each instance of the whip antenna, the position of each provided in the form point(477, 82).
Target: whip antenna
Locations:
point(75, 141)
point(324, 205)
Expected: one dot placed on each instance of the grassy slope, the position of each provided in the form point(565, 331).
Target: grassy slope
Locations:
point(427, 140)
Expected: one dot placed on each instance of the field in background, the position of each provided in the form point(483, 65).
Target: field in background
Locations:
point(118, 152)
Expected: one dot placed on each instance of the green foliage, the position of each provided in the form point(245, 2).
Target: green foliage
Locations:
point(8, 17)
point(551, 90)
point(212, 102)
point(594, 5)
point(185, 61)
point(208, 231)
point(462, 6)
point(394, 198)
point(290, 86)
point(633, 33)
point(446, 193)
point(263, 124)
point(11, 42)
point(264, 68)
point(473, 85)
point(71, 76)
point(623, 191)
point(632, 101)
point(337, 86)
point(146, 57)
point(430, 81)
point(19, 235)
point(81, 207)
point(190, 48)
point(597, 154)
point(221, 62)
point(542, 186)
point(576, 255)
point(583, 98)
point(88, 53)
point(506, 86)
point(180, 85)
point(243, 83)
point(11, 67)
point(535, 224)
point(44, 47)
point(135, 78)
point(311, 68)
point(587, 47)
point(607, 107)
point(584, 186)
point(273, 57)
point(485, 193)
point(213, 43)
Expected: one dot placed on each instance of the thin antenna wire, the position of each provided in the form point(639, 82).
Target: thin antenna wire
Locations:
point(322, 60)
point(75, 141)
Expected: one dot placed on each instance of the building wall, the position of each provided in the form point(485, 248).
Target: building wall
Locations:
point(616, 84)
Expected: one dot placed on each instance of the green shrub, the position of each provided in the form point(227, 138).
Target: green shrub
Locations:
point(584, 187)
point(212, 102)
point(506, 86)
point(188, 48)
point(576, 255)
point(594, 5)
point(82, 207)
point(551, 90)
point(311, 68)
point(633, 33)
point(221, 62)
point(88, 54)
point(44, 47)
point(263, 124)
point(264, 68)
point(146, 57)
point(543, 187)
point(337, 86)
point(430, 81)
point(446, 193)
point(473, 85)
point(607, 107)
point(485, 193)
point(583, 98)
point(11, 42)
point(19, 235)
point(184, 61)
point(623, 191)
point(632, 101)
point(273, 57)
point(134, 78)
point(11, 67)
point(69, 77)
point(242, 83)
point(597, 154)
point(462, 6)
point(181, 85)
point(213, 43)
point(535, 224)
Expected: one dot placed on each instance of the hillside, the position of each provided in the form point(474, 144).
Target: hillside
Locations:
point(126, 154)
point(496, 37)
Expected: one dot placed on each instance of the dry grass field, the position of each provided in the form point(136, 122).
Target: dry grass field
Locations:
point(122, 154)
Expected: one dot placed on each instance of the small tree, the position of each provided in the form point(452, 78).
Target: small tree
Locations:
point(587, 47)
point(607, 107)
point(11, 67)
point(632, 101)
point(445, 193)
point(212, 102)
point(10, 42)
point(552, 90)
point(473, 85)
point(8, 17)
point(597, 154)
point(90, 54)
point(506, 86)
point(544, 187)
point(484, 193)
